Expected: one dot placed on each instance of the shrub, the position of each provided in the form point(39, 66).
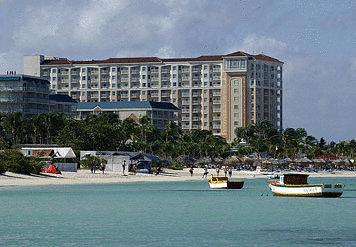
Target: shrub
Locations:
point(175, 165)
point(14, 161)
point(2, 165)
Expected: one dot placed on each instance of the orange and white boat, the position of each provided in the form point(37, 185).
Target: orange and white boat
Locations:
point(297, 185)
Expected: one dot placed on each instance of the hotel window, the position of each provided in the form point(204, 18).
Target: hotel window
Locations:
point(113, 69)
point(143, 76)
point(174, 76)
point(143, 68)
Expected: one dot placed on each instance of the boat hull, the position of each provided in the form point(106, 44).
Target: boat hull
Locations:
point(225, 183)
point(218, 185)
point(235, 184)
point(307, 190)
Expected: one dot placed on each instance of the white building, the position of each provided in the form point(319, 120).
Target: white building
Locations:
point(217, 93)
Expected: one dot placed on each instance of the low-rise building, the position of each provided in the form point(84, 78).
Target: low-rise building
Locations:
point(30, 95)
point(25, 94)
point(160, 113)
point(62, 104)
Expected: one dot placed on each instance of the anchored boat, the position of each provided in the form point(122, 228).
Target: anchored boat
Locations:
point(297, 185)
point(225, 183)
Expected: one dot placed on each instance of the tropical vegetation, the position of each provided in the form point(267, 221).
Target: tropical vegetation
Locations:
point(107, 132)
point(290, 142)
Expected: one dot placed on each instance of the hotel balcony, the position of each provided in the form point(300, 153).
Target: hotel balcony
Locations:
point(165, 71)
point(216, 118)
point(216, 69)
point(135, 71)
point(155, 84)
point(216, 93)
point(154, 95)
point(165, 78)
point(185, 102)
point(185, 127)
point(185, 70)
point(216, 126)
point(135, 85)
point(185, 94)
point(124, 72)
point(185, 118)
point(184, 110)
point(165, 94)
point(135, 79)
point(215, 109)
point(196, 110)
point(166, 84)
point(214, 84)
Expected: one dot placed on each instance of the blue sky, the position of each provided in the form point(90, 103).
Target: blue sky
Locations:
point(315, 39)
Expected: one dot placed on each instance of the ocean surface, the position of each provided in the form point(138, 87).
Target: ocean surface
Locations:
point(174, 214)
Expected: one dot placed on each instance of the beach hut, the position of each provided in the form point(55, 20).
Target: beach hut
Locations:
point(62, 157)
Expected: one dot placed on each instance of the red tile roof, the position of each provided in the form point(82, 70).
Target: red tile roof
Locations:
point(128, 60)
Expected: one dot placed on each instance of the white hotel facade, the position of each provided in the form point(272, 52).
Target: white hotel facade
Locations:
point(217, 93)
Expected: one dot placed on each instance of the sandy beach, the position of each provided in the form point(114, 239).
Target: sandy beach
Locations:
point(86, 177)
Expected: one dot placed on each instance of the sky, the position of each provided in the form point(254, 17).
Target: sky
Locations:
point(316, 40)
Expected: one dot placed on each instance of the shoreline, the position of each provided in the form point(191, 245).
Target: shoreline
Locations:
point(86, 177)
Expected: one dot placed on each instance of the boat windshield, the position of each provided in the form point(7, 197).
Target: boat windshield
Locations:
point(219, 178)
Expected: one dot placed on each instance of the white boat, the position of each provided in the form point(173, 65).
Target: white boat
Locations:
point(297, 185)
point(225, 183)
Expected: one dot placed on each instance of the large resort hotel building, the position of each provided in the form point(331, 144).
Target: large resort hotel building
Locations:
point(216, 93)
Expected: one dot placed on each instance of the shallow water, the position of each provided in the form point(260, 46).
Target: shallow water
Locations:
point(174, 214)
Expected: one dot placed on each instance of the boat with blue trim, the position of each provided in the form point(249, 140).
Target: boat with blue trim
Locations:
point(297, 185)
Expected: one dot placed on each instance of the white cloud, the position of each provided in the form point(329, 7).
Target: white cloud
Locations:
point(261, 44)
point(9, 62)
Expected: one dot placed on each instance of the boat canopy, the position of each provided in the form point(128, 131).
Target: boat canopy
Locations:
point(294, 178)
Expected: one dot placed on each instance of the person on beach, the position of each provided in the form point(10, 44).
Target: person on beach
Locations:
point(230, 172)
point(225, 171)
point(94, 167)
point(123, 167)
point(191, 171)
point(205, 174)
point(102, 167)
point(217, 171)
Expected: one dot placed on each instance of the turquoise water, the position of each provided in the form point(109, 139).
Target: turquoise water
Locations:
point(174, 214)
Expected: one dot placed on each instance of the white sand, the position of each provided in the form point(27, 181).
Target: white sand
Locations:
point(86, 177)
